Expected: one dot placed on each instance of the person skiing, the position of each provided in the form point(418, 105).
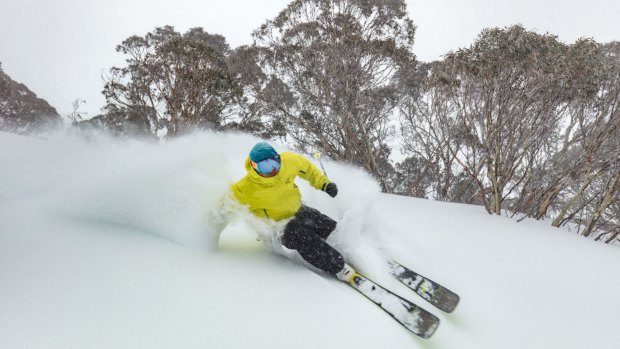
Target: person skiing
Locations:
point(270, 191)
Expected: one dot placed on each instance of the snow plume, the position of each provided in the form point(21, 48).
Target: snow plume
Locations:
point(179, 189)
point(174, 190)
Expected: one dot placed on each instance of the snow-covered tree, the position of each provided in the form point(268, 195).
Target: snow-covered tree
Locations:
point(21, 111)
point(331, 68)
point(172, 82)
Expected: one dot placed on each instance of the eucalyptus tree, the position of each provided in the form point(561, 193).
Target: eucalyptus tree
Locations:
point(331, 68)
point(576, 182)
point(604, 146)
point(564, 164)
point(21, 111)
point(428, 131)
point(172, 82)
point(507, 90)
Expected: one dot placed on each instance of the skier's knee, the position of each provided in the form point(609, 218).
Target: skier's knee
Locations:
point(292, 234)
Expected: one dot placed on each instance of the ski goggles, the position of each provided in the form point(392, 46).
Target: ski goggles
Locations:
point(268, 167)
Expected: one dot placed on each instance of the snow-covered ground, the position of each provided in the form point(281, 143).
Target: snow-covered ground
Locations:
point(115, 245)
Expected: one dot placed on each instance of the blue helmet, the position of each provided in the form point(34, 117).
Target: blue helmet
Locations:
point(262, 151)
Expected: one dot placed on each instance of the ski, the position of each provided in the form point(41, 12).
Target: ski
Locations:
point(412, 317)
point(434, 293)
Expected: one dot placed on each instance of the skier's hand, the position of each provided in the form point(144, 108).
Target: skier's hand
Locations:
point(331, 189)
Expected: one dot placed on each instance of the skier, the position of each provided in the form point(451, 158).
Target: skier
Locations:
point(270, 191)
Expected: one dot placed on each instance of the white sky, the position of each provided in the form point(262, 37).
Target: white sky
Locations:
point(60, 48)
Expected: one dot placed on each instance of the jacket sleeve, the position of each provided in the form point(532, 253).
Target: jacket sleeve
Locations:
point(239, 194)
point(311, 173)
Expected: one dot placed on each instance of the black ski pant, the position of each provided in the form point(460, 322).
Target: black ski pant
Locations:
point(306, 233)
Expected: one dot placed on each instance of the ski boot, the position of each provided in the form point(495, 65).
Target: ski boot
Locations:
point(347, 274)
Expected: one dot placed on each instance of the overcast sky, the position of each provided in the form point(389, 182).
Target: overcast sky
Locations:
point(60, 48)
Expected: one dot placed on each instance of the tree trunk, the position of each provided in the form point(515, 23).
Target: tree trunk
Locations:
point(603, 204)
point(558, 220)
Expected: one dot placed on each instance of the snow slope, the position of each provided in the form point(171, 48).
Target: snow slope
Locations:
point(115, 245)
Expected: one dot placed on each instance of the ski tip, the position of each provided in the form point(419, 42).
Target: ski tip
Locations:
point(429, 322)
point(455, 303)
point(447, 301)
point(429, 333)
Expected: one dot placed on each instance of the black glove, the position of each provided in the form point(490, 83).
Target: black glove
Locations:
point(331, 189)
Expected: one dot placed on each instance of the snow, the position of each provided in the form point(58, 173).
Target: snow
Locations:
point(114, 244)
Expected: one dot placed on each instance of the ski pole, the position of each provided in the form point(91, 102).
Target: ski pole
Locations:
point(318, 157)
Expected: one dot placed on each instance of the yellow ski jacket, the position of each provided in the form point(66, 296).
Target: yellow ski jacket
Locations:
point(277, 197)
